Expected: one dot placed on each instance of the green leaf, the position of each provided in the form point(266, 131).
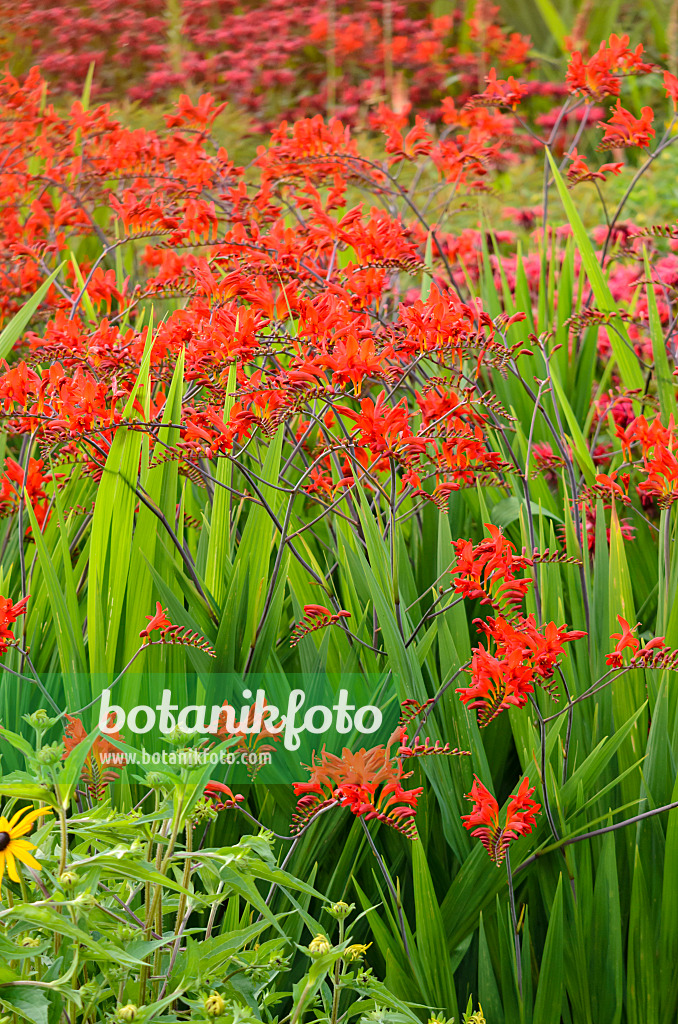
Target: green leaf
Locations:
point(488, 990)
point(606, 964)
point(507, 511)
point(663, 376)
point(549, 998)
point(642, 990)
point(630, 370)
point(554, 22)
point(15, 328)
point(29, 1001)
point(437, 978)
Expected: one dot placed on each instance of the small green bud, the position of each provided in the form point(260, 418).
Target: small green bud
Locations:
point(154, 780)
point(40, 720)
point(189, 757)
point(340, 910)
point(203, 811)
point(86, 900)
point(50, 754)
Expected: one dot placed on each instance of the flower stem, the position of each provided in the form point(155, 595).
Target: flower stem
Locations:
point(337, 975)
point(186, 878)
point(516, 938)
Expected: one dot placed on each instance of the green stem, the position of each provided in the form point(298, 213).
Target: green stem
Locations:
point(337, 976)
point(181, 910)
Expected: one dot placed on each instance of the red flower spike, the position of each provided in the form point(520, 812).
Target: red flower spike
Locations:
point(367, 782)
point(222, 796)
point(95, 772)
point(316, 616)
point(483, 821)
point(169, 634)
point(9, 613)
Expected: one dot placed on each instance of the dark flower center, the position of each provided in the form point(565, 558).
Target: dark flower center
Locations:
point(5, 838)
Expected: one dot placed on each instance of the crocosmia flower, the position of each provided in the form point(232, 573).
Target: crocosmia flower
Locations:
point(483, 821)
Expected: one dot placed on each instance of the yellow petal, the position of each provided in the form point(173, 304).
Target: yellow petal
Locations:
point(2, 865)
point(25, 857)
point(4, 824)
point(11, 866)
point(21, 844)
point(27, 824)
point(15, 817)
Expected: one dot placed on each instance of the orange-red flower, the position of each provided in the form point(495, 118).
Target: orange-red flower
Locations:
point(96, 771)
point(222, 796)
point(316, 616)
point(488, 571)
point(483, 821)
point(9, 613)
point(623, 129)
point(157, 621)
point(625, 640)
point(368, 782)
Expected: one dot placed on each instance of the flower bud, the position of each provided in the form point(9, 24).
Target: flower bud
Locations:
point(67, 879)
point(30, 941)
point(203, 812)
point(126, 1013)
point(189, 757)
point(340, 910)
point(215, 1005)
point(319, 946)
point(87, 902)
point(50, 754)
point(39, 720)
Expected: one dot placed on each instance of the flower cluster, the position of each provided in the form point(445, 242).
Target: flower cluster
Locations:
point(483, 821)
point(369, 782)
point(267, 57)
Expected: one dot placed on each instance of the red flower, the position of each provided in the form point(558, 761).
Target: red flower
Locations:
point(157, 621)
point(484, 818)
point(600, 75)
point(579, 170)
point(9, 613)
point(222, 796)
point(497, 683)
point(316, 616)
point(96, 773)
point(369, 782)
point(623, 129)
point(502, 93)
point(488, 571)
point(671, 87)
point(624, 639)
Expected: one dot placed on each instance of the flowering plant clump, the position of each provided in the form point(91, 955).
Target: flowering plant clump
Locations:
point(384, 418)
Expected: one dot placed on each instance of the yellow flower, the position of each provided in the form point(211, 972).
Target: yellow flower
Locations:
point(12, 847)
point(319, 945)
point(356, 951)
